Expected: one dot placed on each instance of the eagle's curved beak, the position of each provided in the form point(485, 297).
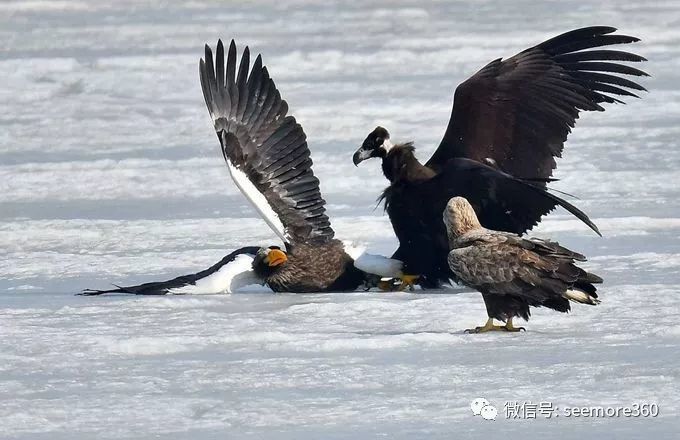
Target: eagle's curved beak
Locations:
point(275, 257)
point(361, 155)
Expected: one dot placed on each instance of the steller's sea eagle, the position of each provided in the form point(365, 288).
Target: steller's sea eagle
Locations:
point(511, 272)
point(268, 159)
point(513, 116)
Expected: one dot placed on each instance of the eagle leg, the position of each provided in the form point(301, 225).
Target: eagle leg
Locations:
point(490, 327)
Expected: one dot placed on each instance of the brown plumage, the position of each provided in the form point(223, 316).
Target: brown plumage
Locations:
point(312, 268)
point(511, 272)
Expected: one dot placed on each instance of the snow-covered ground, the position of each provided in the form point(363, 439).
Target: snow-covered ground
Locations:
point(110, 172)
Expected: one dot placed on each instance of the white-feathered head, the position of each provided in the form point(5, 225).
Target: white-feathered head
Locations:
point(459, 217)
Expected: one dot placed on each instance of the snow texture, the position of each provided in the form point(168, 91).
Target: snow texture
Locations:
point(110, 172)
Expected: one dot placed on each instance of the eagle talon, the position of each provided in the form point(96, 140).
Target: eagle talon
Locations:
point(472, 331)
point(491, 327)
point(399, 284)
point(516, 329)
point(511, 328)
point(408, 282)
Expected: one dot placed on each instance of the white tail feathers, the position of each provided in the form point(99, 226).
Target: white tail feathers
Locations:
point(581, 297)
point(379, 265)
point(374, 264)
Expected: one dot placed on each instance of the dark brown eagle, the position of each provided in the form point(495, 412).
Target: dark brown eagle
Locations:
point(511, 272)
point(509, 122)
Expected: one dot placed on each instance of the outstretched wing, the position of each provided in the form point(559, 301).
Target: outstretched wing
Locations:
point(231, 272)
point(502, 202)
point(266, 150)
point(520, 111)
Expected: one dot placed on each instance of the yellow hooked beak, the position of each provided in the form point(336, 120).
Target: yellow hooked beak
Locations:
point(275, 257)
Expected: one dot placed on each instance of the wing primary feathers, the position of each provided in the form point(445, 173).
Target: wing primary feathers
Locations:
point(231, 88)
point(520, 111)
point(231, 64)
point(584, 38)
point(219, 68)
point(265, 148)
point(273, 109)
point(608, 79)
point(568, 206)
point(607, 88)
point(605, 40)
point(254, 92)
point(205, 86)
point(597, 55)
point(577, 35)
point(210, 74)
point(241, 83)
point(264, 92)
point(272, 102)
point(598, 66)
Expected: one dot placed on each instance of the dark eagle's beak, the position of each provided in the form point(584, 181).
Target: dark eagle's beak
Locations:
point(361, 155)
point(275, 257)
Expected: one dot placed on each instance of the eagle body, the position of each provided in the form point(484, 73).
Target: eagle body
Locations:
point(511, 272)
point(415, 218)
point(313, 267)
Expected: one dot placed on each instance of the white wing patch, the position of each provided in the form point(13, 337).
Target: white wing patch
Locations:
point(258, 200)
point(371, 263)
point(227, 279)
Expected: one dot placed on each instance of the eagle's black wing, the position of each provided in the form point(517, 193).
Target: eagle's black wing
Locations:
point(502, 202)
point(519, 112)
point(217, 278)
point(266, 150)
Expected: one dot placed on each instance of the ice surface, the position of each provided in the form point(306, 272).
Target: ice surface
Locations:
point(110, 172)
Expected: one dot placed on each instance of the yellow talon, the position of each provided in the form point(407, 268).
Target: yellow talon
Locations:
point(398, 284)
point(408, 281)
point(490, 327)
point(511, 328)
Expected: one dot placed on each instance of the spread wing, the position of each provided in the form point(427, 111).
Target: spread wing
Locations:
point(265, 149)
point(502, 202)
point(520, 111)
